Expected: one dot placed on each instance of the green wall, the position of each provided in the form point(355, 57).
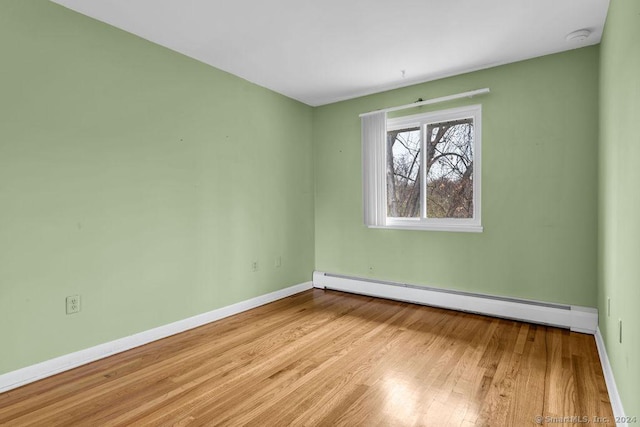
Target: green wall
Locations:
point(539, 187)
point(619, 225)
point(141, 179)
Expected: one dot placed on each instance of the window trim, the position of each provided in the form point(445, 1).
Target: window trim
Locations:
point(421, 120)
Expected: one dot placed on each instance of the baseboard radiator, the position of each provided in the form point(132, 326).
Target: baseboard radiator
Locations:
point(575, 318)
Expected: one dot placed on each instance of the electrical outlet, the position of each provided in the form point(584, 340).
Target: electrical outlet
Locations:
point(73, 304)
point(608, 307)
point(254, 266)
point(278, 262)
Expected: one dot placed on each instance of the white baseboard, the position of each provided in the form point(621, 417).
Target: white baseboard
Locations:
point(54, 366)
point(576, 318)
point(614, 396)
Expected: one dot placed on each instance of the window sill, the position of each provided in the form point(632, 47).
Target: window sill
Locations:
point(467, 228)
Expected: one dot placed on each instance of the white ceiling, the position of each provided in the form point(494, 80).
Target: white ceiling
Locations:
point(324, 51)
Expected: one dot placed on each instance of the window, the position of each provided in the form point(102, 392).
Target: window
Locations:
point(429, 171)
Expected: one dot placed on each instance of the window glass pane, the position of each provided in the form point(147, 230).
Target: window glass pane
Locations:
point(450, 169)
point(403, 173)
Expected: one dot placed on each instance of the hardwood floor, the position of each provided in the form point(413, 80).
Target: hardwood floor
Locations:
point(329, 358)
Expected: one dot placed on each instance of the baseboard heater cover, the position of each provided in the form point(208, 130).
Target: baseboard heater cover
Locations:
point(575, 318)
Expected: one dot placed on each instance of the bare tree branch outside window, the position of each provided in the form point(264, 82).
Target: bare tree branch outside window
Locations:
point(449, 170)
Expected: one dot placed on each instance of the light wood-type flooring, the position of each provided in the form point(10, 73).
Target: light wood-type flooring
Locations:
point(329, 358)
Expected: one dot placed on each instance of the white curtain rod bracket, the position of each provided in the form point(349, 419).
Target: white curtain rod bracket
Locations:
point(469, 94)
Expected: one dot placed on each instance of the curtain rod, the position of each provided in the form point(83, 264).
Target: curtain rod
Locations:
point(469, 94)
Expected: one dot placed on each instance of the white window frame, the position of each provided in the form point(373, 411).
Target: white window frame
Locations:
point(438, 224)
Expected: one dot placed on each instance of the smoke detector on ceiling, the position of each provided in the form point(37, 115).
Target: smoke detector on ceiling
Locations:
point(578, 36)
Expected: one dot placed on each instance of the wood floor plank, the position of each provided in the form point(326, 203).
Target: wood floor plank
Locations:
point(329, 358)
point(244, 381)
